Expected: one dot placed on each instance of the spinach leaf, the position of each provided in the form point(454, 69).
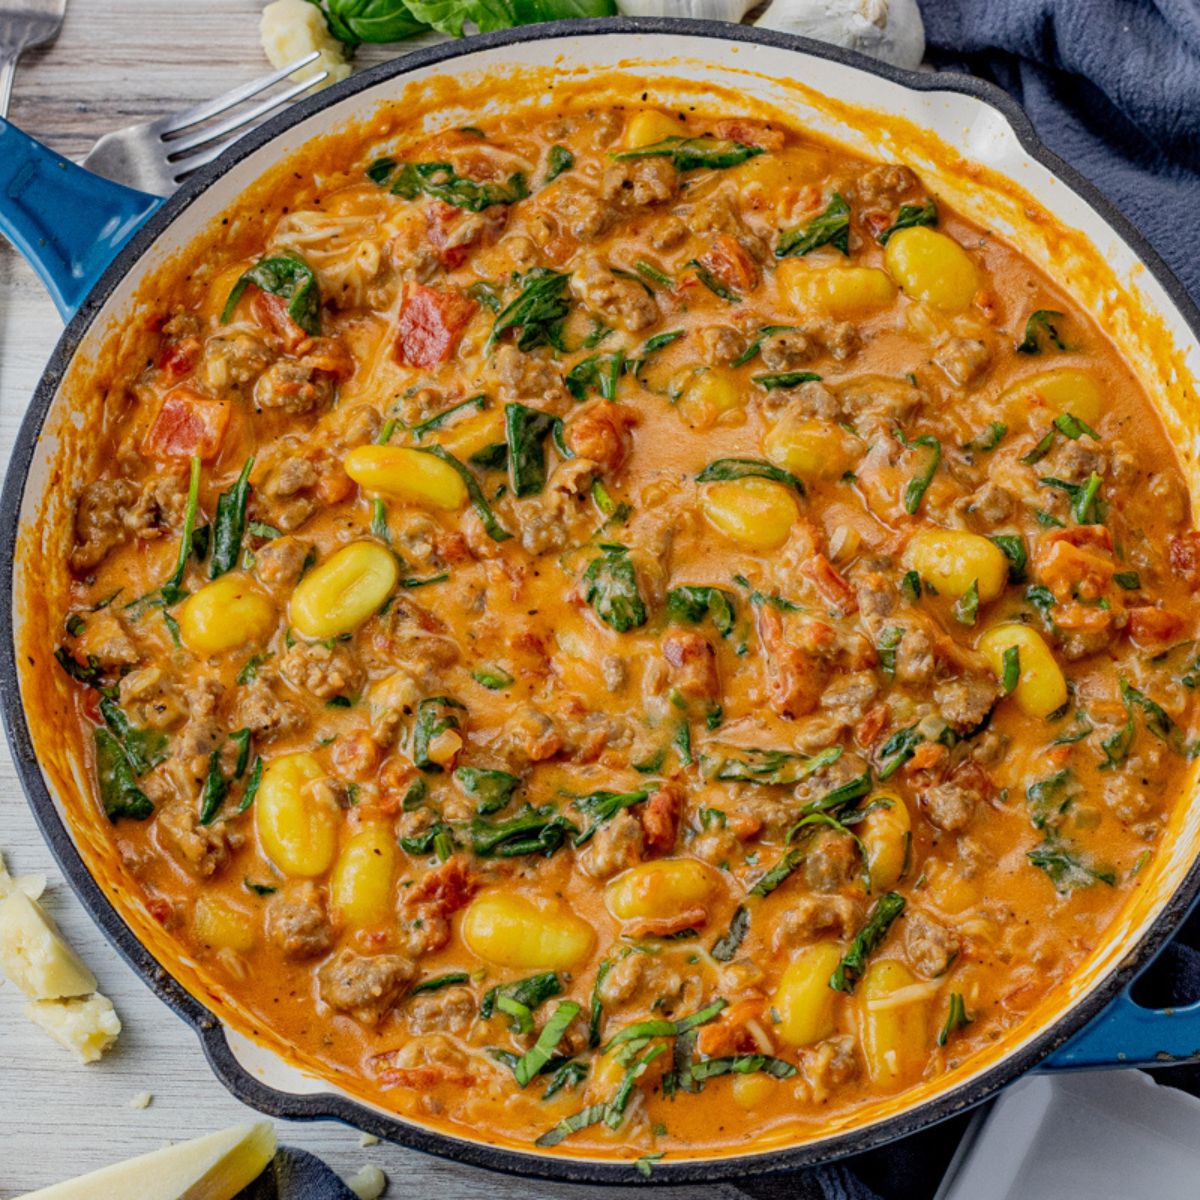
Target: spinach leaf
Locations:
point(988, 440)
point(120, 795)
point(777, 768)
point(612, 590)
point(592, 1115)
point(1012, 670)
point(784, 867)
point(172, 591)
point(491, 790)
point(532, 831)
point(742, 468)
point(831, 228)
point(1158, 721)
point(442, 182)
point(693, 604)
point(966, 607)
point(887, 908)
point(728, 944)
point(571, 1074)
point(216, 788)
point(1085, 497)
point(1039, 328)
point(495, 530)
point(229, 524)
point(289, 277)
point(596, 1007)
point(145, 748)
point(1044, 446)
point(438, 838)
point(601, 372)
point(525, 432)
point(742, 1064)
point(437, 982)
point(435, 715)
point(91, 673)
point(529, 993)
point(1012, 546)
point(897, 750)
point(601, 807)
point(638, 363)
point(956, 1018)
point(558, 160)
point(713, 284)
point(441, 419)
point(1048, 799)
point(691, 154)
point(495, 679)
point(914, 493)
point(251, 786)
point(649, 272)
point(910, 215)
point(785, 379)
point(538, 312)
point(1067, 868)
point(1130, 581)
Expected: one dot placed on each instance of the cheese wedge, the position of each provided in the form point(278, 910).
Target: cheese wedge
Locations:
point(86, 1025)
point(215, 1167)
point(34, 955)
point(32, 885)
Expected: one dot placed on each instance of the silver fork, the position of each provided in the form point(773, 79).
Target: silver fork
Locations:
point(157, 156)
point(24, 23)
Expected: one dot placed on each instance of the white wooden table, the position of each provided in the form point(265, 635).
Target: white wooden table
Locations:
point(117, 62)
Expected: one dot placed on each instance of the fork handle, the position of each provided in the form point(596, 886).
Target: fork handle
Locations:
point(68, 223)
point(8, 68)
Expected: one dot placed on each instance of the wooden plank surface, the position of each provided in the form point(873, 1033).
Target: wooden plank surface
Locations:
point(117, 62)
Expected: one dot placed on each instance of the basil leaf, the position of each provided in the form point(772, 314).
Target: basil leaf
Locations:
point(495, 679)
point(914, 493)
point(966, 607)
point(216, 788)
point(777, 768)
point(1012, 670)
point(988, 440)
point(525, 431)
point(956, 1018)
point(713, 284)
point(441, 181)
point(144, 748)
point(1012, 546)
point(437, 982)
point(601, 807)
point(727, 946)
point(785, 379)
point(440, 420)
point(532, 1061)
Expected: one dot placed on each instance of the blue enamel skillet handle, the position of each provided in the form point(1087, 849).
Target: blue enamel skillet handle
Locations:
point(1127, 1035)
point(70, 224)
point(66, 222)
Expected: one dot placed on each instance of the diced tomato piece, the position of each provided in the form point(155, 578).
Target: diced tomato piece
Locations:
point(692, 918)
point(660, 818)
point(728, 260)
point(446, 888)
point(925, 757)
point(270, 311)
point(728, 1034)
point(423, 1078)
point(750, 133)
point(454, 234)
point(1154, 628)
point(1083, 618)
point(830, 584)
point(1070, 570)
point(178, 358)
point(872, 725)
point(1183, 551)
point(187, 424)
point(430, 324)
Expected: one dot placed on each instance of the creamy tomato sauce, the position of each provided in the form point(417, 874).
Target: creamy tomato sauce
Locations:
point(631, 633)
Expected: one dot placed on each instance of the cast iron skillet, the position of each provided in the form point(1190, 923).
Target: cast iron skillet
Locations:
point(100, 233)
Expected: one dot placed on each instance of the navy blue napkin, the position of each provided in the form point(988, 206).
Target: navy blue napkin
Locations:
point(1112, 87)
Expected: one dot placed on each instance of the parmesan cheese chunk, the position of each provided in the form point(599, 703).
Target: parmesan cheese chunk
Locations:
point(292, 28)
point(215, 1167)
point(32, 885)
point(85, 1026)
point(34, 955)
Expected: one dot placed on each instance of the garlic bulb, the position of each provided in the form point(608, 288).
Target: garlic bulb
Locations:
point(889, 30)
point(711, 10)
